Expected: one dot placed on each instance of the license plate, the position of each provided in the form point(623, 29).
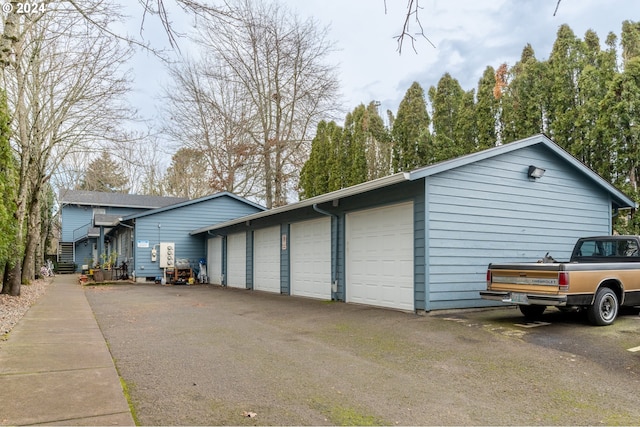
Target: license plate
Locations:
point(519, 298)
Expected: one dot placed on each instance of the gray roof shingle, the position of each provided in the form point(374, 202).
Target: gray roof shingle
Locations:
point(97, 198)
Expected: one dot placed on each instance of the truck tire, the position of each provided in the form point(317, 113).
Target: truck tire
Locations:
point(604, 310)
point(532, 312)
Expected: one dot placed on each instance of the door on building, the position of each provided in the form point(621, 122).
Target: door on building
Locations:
point(379, 257)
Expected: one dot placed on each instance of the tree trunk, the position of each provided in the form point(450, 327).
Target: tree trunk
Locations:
point(33, 240)
point(12, 279)
point(3, 269)
point(268, 176)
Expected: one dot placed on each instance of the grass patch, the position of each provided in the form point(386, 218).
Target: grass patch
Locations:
point(341, 415)
point(127, 395)
point(345, 416)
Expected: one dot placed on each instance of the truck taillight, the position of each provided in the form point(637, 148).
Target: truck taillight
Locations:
point(488, 277)
point(563, 281)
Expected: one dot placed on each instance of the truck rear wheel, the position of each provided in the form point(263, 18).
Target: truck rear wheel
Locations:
point(604, 310)
point(532, 312)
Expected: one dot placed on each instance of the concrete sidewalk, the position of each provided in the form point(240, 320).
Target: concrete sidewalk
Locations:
point(55, 367)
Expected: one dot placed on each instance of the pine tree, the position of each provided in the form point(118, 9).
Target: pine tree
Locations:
point(410, 131)
point(354, 140)
point(104, 174)
point(188, 175)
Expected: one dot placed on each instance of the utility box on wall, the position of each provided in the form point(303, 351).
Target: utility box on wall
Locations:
point(167, 255)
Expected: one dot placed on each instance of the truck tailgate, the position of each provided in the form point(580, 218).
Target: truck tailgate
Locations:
point(530, 283)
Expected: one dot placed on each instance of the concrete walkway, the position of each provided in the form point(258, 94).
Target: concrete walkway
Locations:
point(55, 367)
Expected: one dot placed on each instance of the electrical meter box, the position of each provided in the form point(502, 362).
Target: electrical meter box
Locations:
point(167, 255)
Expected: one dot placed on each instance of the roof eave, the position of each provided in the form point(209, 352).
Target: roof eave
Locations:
point(328, 197)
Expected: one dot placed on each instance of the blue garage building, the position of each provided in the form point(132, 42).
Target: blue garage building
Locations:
point(419, 240)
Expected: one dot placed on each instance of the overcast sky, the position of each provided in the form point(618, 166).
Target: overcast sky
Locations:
point(468, 36)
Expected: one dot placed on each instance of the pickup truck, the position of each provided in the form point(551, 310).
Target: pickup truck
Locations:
point(602, 274)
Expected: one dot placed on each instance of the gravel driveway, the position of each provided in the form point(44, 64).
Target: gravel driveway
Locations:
point(204, 355)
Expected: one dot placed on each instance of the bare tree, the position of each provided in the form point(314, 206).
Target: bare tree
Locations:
point(280, 63)
point(64, 82)
point(210, 114)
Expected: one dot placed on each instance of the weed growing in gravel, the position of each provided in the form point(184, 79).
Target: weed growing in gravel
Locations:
point(127, 395)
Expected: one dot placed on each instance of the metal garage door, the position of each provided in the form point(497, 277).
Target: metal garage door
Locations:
point(214, 260)
point(379, 257)
point(311, 258)
point(266, 259)
point(237, 260)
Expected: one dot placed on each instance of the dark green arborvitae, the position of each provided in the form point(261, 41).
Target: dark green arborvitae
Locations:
point(523, 100)
point(8, 184)
point(410, 132)
point(453, 123)
point(486, 111)
point(322, 172)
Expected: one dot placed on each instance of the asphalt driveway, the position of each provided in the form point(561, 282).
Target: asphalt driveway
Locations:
point(205, 355)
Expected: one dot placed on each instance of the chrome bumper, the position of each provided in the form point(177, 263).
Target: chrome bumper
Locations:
point(531, 299)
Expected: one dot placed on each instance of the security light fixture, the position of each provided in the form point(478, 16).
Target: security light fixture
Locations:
point(535, 172)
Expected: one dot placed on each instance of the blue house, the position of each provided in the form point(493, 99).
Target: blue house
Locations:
point(99, 227)
point(419, 240)
point(80, 236)
point(145, 240)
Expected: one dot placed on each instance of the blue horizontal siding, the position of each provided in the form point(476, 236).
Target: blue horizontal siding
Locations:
point(175, 225)
point(490, 211)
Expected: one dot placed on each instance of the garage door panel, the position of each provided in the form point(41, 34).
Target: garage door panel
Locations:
point(266, 258)
point(214, 260)
point(237, 260)
point(380, 257)
point(311, 258)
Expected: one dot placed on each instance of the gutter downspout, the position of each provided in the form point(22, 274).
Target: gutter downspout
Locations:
point(334, 261)
point(133, 259)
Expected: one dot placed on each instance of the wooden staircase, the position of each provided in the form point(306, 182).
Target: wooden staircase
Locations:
point(65, 259)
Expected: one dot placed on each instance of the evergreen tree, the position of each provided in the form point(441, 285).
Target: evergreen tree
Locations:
point(410, 131)
point(188, 175)
point(448, 101)
point(337, 158)
point(522, 100)
point(620, 124)
point(8, 182)
point(354, 139)
point(564, 68)
point(104, 174)
point(314, 176)
point(377, 144)
point(486, 111)
point(465, 131)
point(589, 145)
point(630, 40)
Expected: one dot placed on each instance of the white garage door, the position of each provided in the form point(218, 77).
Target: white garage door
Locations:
point(214, 260)
point(266, 259)
point(237, 260)
point(379, 258)
point(311, 258)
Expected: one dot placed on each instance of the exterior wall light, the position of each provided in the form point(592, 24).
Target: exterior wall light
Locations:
point(535, 172)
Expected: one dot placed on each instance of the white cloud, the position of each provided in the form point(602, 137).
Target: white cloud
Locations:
point(469, 35)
